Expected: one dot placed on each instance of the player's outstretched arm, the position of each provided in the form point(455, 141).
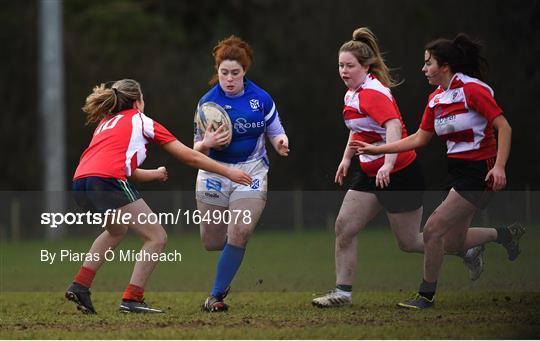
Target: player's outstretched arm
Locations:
point(196, 159)
point(414, 141)
point(147, 175)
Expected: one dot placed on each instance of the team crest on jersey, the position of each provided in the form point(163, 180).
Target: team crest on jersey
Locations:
point(255, 184)
point(254, 103)
point(448, 97)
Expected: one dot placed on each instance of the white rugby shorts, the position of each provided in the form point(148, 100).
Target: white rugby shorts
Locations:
point(215, 189)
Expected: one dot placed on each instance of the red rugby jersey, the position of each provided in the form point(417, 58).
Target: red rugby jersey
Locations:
point(365, 112)
point(119, 145)
point(463, 115)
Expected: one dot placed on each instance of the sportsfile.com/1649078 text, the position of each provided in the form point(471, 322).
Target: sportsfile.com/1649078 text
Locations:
point(116, 216)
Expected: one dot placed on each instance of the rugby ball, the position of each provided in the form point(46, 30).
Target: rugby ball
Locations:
point(213, 114)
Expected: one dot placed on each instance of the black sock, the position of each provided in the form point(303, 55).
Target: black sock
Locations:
point(503, 235)
point(344, 287)
point(427, 289)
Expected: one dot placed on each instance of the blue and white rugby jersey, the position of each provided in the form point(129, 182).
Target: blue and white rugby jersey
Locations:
point(253, 115)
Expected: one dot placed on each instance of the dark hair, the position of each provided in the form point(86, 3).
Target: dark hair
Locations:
point(232, 48)
point(106, 101)
point(365, 49)
point(461, 54)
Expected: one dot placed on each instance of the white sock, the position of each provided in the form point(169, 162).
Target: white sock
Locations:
point(345, 293)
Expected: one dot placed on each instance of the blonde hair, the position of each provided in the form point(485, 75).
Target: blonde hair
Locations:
point(365, 49)
point(106, 101)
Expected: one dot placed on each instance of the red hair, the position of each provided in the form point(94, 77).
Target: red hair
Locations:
point(232, 48)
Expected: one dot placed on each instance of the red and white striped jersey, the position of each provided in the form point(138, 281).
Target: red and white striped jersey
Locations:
point(118, 146)
point(463, 116)
point(365, 112)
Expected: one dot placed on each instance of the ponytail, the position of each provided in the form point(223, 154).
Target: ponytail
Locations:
point(366, 50)
point(107, 101)
point(461, 54)
point(469, 60)
point(99, 103)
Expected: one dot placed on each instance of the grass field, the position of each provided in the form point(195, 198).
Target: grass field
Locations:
point(272, 292)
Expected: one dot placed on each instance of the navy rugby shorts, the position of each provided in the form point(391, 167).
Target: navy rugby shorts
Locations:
point(97, 194)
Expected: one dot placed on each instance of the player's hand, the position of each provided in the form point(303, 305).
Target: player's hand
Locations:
point(162, 174)
point(216, 139)
point(382, 179)
point(282, 147)
point(498, 176)
point(361, 147)
point(239, 176)
point(342, 171)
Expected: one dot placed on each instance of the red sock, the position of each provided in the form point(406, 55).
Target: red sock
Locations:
point(133, 293)
point(85, 277)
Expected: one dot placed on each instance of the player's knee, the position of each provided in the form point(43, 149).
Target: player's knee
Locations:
point(345, 232)
point(213, 244)
point(240, 236)
point(453, 245)
point(406, 245)
point(116, 239)
point(341, 227)
point(117, 232)
point(159, 239)
point(433, 229)
point(344, 239)
point(162, 241)
point(451, 249)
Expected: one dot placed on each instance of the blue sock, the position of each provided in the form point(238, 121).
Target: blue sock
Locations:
point(228, 264)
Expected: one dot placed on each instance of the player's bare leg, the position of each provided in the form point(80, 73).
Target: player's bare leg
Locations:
point(213, 235)
point(153, 236)
point(466, 243)
point(453, 214)
point(406, 228)
point(349, 222)
point(239, 231)
point(357, 209)
point(109, 239)
point(154, 239)
point(479, 236)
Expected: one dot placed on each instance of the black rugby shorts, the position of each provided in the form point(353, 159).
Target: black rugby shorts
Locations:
point(404, 194)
